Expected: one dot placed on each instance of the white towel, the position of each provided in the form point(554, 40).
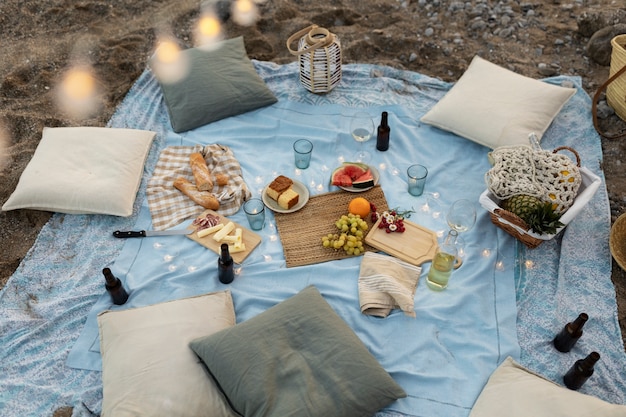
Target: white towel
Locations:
point(386, 283)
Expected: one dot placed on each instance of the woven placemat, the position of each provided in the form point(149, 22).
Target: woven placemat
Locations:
point(301, 232)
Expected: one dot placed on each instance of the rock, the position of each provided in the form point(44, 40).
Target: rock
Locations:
point(599, 46)
point(604, 110)
point(591, 22)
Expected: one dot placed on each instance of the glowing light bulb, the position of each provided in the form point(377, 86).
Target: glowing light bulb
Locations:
point(529, 264)
point(169, 64)
point(244, 12)
point(168, 52)
point(208, 31)
point(77, 93)
point(486, 253)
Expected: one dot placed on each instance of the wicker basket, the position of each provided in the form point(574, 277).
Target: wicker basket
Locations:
point(616, 90)
point(319, 54)
point(617, 241)
point(517, 228)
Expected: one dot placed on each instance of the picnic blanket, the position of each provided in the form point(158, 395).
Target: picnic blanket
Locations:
point(504, 301)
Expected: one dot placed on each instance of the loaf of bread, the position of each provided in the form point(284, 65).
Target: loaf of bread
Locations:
point(221, 179)
point(203, 198)
point(278, 186)
point(288, 198)
point(200, 171)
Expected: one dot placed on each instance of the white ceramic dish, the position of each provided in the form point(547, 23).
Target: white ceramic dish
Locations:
point(302, 200)
point(376, 176)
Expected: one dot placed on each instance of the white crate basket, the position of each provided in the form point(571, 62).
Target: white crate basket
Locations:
point(515, 227)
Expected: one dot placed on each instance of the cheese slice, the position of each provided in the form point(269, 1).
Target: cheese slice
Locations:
point(236, 238)
point(237, 247)
point(210, 230)
point(225, 231)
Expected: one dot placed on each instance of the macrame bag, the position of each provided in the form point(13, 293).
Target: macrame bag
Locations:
point(547, 175)
point(319, 54)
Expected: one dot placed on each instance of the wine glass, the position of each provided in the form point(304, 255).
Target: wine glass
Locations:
point(362, 129)
point(461, 217)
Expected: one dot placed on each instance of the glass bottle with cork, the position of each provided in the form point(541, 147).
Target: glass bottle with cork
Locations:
point(382, 137)
point(114, 287)
point(567, 338)
point(443, 263)
point(225, 265)
point(580, 371)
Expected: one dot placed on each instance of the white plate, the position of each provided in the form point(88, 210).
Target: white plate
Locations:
point(302, 200)
point(376, 176)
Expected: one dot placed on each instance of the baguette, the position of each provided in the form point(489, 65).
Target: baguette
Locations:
point(221, 179)
point(203, 198)
point(201, 172)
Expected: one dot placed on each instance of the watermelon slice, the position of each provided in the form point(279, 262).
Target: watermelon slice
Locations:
point(350, 172)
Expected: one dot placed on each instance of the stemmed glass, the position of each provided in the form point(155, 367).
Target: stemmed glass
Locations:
point(461, 217)
point(362, 129)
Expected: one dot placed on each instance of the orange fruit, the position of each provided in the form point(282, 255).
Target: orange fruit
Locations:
point(359, 206)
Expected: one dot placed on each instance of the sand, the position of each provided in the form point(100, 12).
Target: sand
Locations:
point(41, 39)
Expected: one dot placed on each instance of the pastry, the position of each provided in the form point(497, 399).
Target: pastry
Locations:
point(200, 172)
point(288, 198)
point(203, 198)
point(278, 186)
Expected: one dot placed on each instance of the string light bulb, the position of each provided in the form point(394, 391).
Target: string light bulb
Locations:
point(245, 12)
point(169, 64)
point(208, 31)
point(77, 93)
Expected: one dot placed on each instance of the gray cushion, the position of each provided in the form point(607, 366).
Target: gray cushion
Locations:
point(298, 358)
point(221, 82)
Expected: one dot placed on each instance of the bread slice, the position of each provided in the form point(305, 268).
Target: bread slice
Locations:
point(288, 198)
point(278, 186)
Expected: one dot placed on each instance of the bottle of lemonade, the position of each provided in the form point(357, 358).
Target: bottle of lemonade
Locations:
point(443, 263)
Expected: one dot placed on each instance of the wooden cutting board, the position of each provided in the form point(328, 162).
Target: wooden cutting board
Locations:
point(416, 245)
point(250, 239)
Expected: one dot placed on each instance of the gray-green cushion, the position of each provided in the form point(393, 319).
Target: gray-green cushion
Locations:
point(298, 358)
point(221, 82)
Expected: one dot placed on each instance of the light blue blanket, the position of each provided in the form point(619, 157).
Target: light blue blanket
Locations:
point(442, 358)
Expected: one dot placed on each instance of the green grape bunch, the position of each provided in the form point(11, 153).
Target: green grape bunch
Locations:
point(351, 230)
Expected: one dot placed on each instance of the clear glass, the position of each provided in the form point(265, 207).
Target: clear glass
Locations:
point(443, 263)
point(362, 130)
point(461, 217)
point(302, 153)
point(255, 213)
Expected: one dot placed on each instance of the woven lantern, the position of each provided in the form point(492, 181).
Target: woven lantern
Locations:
point(616, 89)
point(319, 53)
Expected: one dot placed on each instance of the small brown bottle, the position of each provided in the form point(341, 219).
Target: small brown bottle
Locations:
point(567, 338)
point(114, 287)
point(580, 371)
point(225, 271)
point(382, 138)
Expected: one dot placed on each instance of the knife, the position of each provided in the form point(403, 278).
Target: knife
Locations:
point(150, 233)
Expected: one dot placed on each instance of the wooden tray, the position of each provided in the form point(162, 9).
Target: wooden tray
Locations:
point(416, 245)
point(301, 232)
point(250, 239)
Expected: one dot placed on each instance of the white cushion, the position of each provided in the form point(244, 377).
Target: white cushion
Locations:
point(148, 368)
point(83, 170)
point(514, 391)
point(495, 107)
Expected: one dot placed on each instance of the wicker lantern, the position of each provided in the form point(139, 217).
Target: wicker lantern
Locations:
point(319, 53)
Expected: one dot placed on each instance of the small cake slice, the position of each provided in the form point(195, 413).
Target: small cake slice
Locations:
point(278, 186)
point(288, 198)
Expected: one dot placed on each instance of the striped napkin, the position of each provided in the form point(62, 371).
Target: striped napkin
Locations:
point(169, 207)
point(386, 283)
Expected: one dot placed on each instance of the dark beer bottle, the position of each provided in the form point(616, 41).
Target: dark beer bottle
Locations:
point(382, 138)
point(567, 338)
point(581, 371)
point(225, 271)
point(114, 287)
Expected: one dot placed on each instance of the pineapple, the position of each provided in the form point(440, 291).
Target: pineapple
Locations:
point(538, 215)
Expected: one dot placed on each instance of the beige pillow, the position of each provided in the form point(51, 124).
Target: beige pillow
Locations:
point(83, 170)
point(493, 106)
point(148, 368)
point(514, 391)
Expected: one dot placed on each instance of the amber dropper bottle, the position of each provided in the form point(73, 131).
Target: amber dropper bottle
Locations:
point(567, 338)
point(114, 287)
point(580, 371)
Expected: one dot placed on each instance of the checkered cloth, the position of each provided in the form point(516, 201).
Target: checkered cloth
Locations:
point(169, 207)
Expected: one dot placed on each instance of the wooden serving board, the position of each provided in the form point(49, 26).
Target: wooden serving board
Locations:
point(250, 239)
point(415, 245)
